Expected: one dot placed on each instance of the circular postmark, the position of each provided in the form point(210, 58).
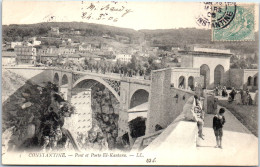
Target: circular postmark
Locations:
point(216, 15)
point(222, 16)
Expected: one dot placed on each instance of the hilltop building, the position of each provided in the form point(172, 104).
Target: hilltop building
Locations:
point(55, 31)
point(84, 48)
point(13, 44)
point(125, 58)
point(34, 42)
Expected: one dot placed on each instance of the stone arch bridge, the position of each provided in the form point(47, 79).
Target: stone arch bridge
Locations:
point(123, 88)
point(130, 92)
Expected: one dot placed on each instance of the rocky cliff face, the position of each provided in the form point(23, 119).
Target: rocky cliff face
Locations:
point(33, 116)
point(32, 113)
point(104, 132)
point(10, 83)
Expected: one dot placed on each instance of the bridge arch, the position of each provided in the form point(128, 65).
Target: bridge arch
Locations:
point(249, 81)
point(191, 82)
point(182, 82)
point(138, 97)
point(56, 79)
point(64, 86)
point(100, 80)
point(64, 79)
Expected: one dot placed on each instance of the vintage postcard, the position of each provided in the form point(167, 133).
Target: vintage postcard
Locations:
point(129, 83)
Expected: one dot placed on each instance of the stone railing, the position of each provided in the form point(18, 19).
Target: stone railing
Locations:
point(179, 135)
point(144, 141)
point(186, 138)
point(116, 76)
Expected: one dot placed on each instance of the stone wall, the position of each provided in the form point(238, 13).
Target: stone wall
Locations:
point(238, 78)
point(186, 73)
point(166, 103)
point(124, 105)
point(34, 75)
point(213, 62)
point(250, 73)
point(128, 88)
point(186, 61)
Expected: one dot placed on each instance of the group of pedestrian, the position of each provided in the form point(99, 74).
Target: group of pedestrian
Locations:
point(240, 97)
point(221, 91)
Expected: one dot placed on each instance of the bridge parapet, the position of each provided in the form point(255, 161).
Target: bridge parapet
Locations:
point(144, 141)
point(172, 132)
point(136, 81)
point(112, 76)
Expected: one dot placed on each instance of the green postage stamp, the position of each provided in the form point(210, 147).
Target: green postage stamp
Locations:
point(233, 22)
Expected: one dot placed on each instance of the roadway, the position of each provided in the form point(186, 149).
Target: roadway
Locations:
point(240, 146)
point(108, 75)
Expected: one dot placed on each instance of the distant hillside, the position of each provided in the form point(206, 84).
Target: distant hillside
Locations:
point(18, 32)
point(191, 36)
point(169, 37)
point(177, 37)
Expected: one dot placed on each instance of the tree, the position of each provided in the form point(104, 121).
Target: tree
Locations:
point(175, 60)
point(103, 66)
point(137, 127)
point(133, 64)
point(164, 61)
point(235, 65)
point(256, 58)
point(109, 67)
point(243, 64)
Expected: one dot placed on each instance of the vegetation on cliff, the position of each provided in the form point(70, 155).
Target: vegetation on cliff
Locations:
point(35, 115)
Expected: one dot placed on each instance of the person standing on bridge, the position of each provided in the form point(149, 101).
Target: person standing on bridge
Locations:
point(199, 115)
point(218, 122)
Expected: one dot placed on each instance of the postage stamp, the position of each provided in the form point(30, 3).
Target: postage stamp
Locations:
point(233, 22)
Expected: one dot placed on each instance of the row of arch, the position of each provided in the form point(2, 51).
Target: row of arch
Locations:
point(64, 79)
point(252, 81)
point(205, 72)
point(182, 82)
point(218, 75)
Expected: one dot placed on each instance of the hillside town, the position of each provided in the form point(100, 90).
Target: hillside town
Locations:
point(79, 89)
point(136, 58)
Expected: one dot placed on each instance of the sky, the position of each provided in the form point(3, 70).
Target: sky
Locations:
point(142, 15)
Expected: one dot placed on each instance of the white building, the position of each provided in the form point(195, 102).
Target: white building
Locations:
point(25, 54)
point(67, 50)
point(34, 42)
point(13, 44)
point(199, 49)
point(84, 48)
point(76, 58)
point(54, 31)
point(82, 102)
point(8, 58)
point(125, 58)
point(49, 50)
